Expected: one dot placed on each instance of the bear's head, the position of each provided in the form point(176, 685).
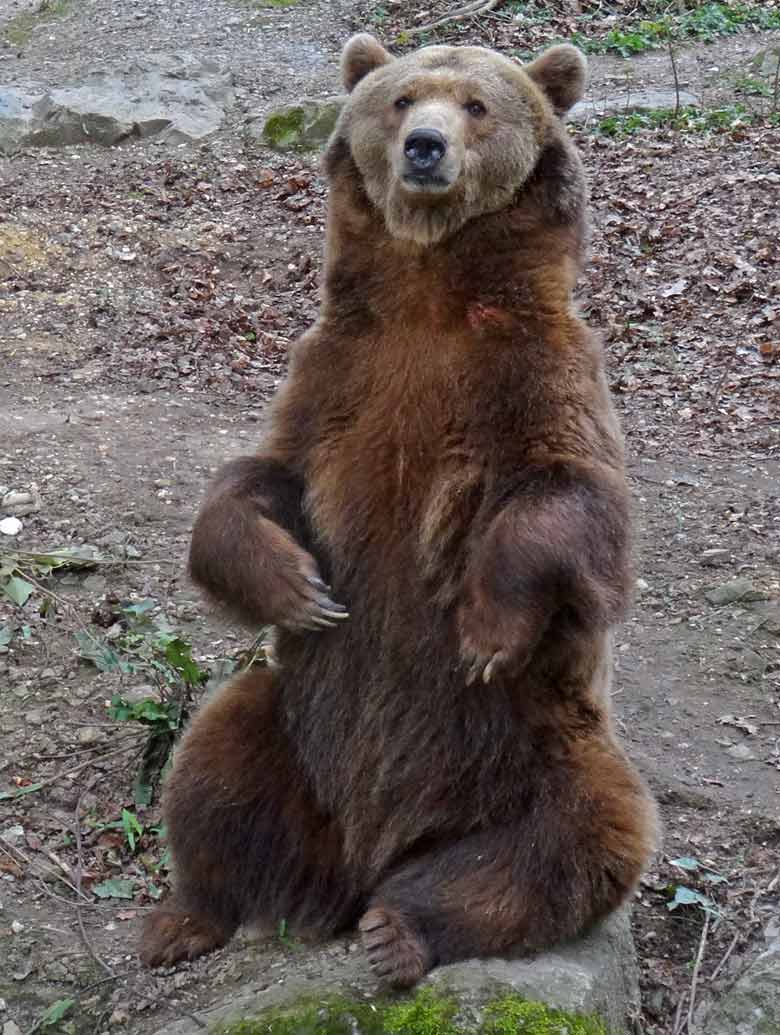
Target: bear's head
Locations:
point(446, 134)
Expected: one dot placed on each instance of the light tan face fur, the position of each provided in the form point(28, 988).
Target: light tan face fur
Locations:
point(493, 115)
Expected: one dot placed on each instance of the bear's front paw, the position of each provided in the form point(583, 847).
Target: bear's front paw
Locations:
point(494, 640)
point(303, 600)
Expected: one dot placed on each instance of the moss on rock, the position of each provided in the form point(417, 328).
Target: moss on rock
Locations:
point(515, 1016)
point(283, 128)
point(425, 1013)
point(301, 127)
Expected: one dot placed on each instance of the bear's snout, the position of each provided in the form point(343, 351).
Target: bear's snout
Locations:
point(424, 149)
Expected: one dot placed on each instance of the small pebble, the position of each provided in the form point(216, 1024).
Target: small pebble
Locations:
point(10, 526)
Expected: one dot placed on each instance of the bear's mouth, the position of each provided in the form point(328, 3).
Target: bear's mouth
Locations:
point(421, 181)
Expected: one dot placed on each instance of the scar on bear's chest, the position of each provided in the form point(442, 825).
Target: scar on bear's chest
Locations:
point(481, 316)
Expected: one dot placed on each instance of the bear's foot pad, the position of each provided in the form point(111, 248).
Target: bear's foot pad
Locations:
point(170, 936)
point(397, 955)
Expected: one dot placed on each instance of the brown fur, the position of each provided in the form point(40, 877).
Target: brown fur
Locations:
point(444, 454)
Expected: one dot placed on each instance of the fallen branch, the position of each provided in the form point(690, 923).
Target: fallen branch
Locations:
point(35, 787)
point(460, 14)
point(725, 957)
point(696, 970)
point(9, 849)
point(79, 871)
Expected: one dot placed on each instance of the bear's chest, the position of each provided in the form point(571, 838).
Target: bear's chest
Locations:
point(396, 470)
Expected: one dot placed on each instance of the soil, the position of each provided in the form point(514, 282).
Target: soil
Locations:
point(148, 296)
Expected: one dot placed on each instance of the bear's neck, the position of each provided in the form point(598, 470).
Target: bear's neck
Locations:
point(519, 263)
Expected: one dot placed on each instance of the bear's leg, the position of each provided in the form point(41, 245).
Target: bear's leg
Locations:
point(247, 840)
point(572, 859)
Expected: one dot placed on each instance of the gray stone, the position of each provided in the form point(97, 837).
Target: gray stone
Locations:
point(736, 591)
point(176, 97)
point(742, 753)
point(305, 126)
point(90, 735)
point(595, 975)
point(631, 101)
point(21, 503)
point(752, 1005)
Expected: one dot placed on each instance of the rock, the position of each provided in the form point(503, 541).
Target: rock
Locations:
point(13, 835)
point(595, 975)
point(742, 753)
point(736, 591)
point(752, 1005)
point(10, 526)
point(176, 97)
point(305, 126)
point(631, 100)
point(714, 557)
point(95, 583)
point(21, 503)
point(34, 717)
point(90, 735)
point(9, 1028)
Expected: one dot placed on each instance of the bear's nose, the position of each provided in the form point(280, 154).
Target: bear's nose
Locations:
point(424, 148)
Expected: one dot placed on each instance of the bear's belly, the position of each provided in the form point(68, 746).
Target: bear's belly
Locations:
point(396, 745)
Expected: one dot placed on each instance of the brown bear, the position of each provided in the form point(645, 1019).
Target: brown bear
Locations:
point(437, 524)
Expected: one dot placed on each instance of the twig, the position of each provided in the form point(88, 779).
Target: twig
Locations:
point(61, 602)
point(471, 10)
point(5, 845)
point(79, 870)
point(696, 969)
point(674, 73)
point(71, 560)
point(725, 958)
point(35, 787)
point(80, 995)
point(677, 1027)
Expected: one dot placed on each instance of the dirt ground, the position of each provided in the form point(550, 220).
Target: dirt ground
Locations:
point(148, 297)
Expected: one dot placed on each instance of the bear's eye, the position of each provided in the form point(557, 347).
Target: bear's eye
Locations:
point(403, 102)
point(475, 108)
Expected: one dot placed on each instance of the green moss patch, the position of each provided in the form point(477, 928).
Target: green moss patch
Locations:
point(425, 1013)
point(514, 1016)
point(301, 127)
point(284, 128)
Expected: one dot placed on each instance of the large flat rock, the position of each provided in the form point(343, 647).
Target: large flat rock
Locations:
point(752, 1005)
point(632, 101)
point(174, 96)
point(595, 976)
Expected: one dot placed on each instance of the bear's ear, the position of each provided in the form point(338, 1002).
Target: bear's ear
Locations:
point(561, 72)
point(361, 55)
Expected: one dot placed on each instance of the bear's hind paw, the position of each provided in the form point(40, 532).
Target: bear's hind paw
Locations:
point(170, 936)
point(397, 955)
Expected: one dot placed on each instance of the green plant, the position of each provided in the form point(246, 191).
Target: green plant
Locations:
point(132, 827)
point(22, 570)
point(682, 895)
point(753, 87)
point(142, 642)
point(703, 22)
point(686, 120)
